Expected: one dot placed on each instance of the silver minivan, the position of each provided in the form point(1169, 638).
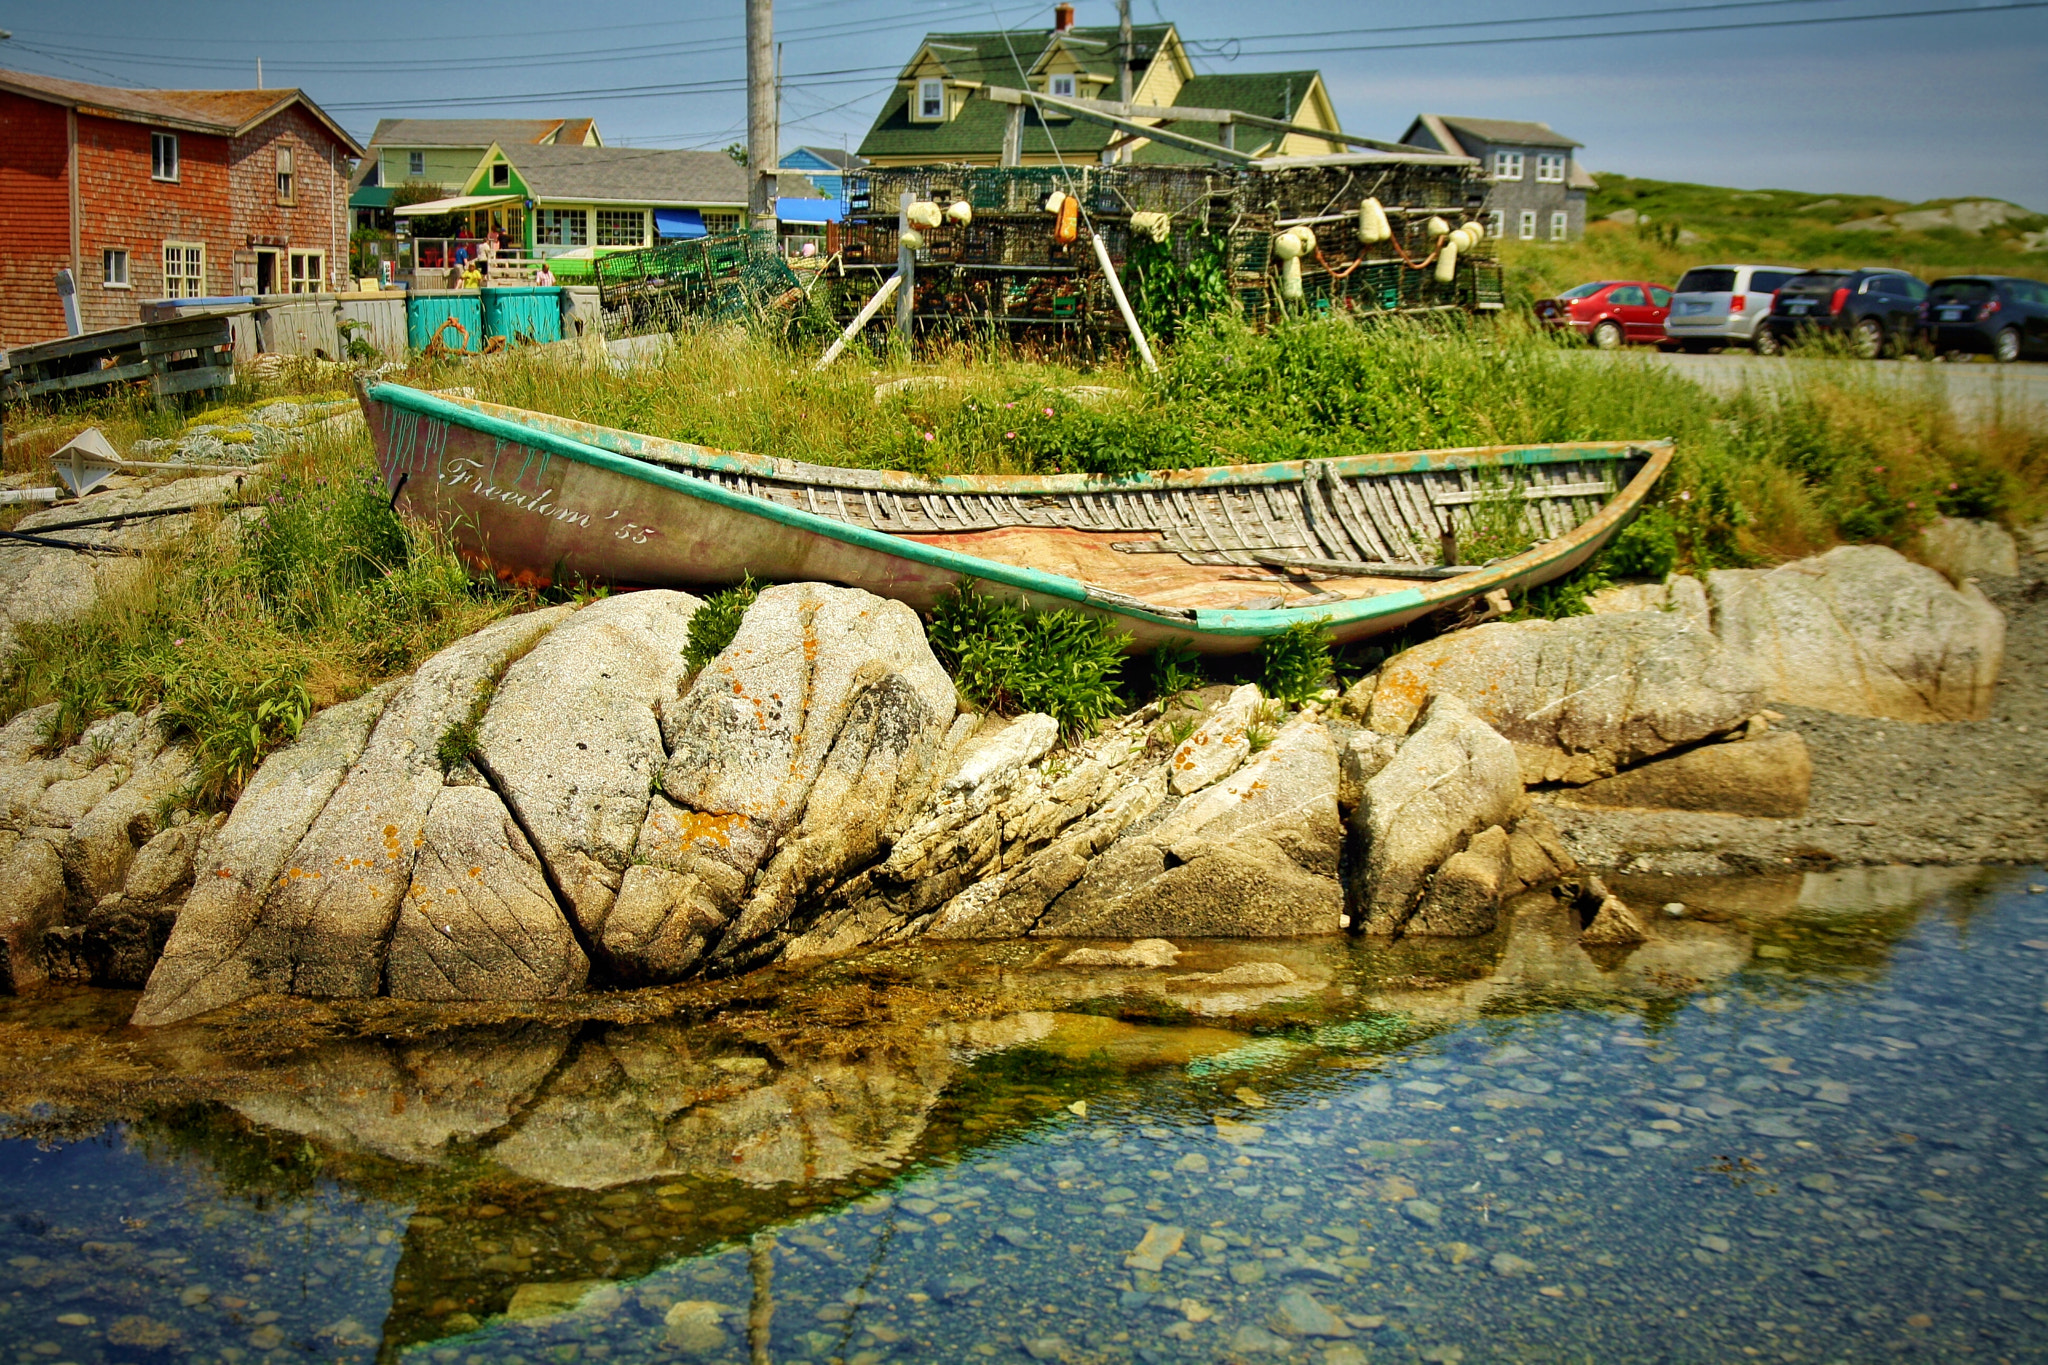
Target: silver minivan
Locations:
point(1721, 305)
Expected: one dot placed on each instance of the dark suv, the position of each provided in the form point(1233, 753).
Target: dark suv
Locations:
point(1878, 310)
point(1987, 314)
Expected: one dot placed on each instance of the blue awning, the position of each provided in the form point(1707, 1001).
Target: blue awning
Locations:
point(670, 223)
point(808, 210)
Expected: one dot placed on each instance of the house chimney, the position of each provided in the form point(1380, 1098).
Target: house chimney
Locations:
point(1062, 18)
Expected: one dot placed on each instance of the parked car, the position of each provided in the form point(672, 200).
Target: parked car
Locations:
point(1723, 305)
point(1609, 313)
point(1993, 315)
point(1878, 310)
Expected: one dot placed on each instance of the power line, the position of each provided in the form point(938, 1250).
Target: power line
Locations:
point(1466, 25)
point(1751, 26)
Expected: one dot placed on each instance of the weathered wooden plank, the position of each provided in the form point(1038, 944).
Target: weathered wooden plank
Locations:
point(1357, 522)
point(194, 380)
point(140, 369)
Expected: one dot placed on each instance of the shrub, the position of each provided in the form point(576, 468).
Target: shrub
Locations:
point(232, 723)
point(717, 621)
point(1009, 659)
point(1646, 548)
point(1176, 669)
point(1295, 665)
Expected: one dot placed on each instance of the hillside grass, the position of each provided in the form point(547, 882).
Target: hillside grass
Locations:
point(1764, 227)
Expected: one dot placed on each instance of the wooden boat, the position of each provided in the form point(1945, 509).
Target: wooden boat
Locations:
point(1217, 558)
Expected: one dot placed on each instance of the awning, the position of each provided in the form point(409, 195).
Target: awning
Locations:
point(808, 210)
point(460, 203)
point(370, 197)
point(673, 223)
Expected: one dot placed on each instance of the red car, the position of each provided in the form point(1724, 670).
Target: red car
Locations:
point(1610, 313)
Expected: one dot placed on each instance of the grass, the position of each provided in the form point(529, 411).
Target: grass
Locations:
point(309, 595)
point(1783, 227)
point(1833, 453)
point(714, 624)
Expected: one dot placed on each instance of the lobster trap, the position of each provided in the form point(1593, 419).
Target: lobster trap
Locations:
point(719, 279)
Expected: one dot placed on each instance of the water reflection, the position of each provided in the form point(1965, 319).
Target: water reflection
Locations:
point(1498, 1149)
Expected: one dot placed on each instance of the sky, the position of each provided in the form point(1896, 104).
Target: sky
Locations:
point(1950, 100)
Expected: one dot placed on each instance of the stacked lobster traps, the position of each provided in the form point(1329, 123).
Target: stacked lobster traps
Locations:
point(998, 258)
point(665, 287)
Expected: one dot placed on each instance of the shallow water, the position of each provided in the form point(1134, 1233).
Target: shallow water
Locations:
point(1807, 1123)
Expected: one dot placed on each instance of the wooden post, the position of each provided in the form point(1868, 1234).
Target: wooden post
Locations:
point(1013, 136)
point(1123, 305)
point(1123, 50)
point(860, 320)
point(761, 130)
point(906, 267)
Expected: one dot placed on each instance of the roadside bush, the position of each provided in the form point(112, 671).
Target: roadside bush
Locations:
point(1010, 659)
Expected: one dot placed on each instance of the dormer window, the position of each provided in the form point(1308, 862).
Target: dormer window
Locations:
point(931, 99)
point(1061, 86)
point(501, 175)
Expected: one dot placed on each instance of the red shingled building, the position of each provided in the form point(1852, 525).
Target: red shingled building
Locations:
point(149, 194)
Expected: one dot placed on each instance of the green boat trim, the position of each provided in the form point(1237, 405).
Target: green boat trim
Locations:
point(1528, 566)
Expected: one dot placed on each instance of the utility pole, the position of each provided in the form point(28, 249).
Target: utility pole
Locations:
point(1123, 48)
point(1123, 63)
point(761, 152)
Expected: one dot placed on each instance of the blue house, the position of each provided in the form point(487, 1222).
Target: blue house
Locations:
point(825, 167)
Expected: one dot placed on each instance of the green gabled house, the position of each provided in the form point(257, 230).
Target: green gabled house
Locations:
point(935, 115)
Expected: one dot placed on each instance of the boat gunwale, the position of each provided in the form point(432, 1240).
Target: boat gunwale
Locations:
point(716, 460)
point(1198, 622)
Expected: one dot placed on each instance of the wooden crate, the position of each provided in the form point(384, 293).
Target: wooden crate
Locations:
point(179, 356)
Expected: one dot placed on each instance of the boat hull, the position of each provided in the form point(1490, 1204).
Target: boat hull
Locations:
point(536, 507)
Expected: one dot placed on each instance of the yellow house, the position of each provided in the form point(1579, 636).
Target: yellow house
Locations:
point(934, 115)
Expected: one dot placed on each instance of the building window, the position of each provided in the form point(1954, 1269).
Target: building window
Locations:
point(501, 176)
point(931, 99)
point(1559, 223)
point(718, 224)
point(561, 227)
point(1062, 86)
point(620, 227)
point(415, 163)
point(114, 268)
point(1507, 165)
point(163, 156)
point(285, 191)
point(1528, 225)
point(184, 270)
point(1550, 168)
point(309, 271)
point(1496, 224)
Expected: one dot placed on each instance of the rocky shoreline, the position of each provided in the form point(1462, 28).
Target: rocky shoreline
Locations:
point(556, 804)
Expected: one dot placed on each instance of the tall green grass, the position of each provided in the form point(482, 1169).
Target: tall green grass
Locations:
point(1829, 452)
point(307, 595)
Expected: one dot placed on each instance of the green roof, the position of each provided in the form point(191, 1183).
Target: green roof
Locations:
point(999, 58)
point(1269, 94)
point(1005, 58)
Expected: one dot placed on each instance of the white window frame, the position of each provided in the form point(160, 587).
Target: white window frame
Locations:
point(501, 175)
point(561, 227)
point(1061, 86)
point(1507, 165)
point(1550, 168)
point(415, 163)
point(163, 157)
point(618, 218)
point(1497, 224)
point(719, 222)
point(189, 252)
point(287, 188)
point(114, 268)
point(306, 272)
point(931, 100)
point(1526, 225)
point(1560, 225)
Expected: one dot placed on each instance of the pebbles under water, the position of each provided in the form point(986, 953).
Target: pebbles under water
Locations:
point(1509, 1151)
